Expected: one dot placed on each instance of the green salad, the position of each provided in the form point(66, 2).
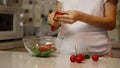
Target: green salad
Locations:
point(43, 51)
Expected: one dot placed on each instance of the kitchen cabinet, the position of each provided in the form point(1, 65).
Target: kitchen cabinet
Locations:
point(12, 45)
point(116, 52)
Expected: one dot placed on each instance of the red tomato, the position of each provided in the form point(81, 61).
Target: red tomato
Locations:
point(79, 59)
point(82, 56)
point(53, 28)
point(42, 49)
point(58, 13)
point(72, 58)
point(55, 49)
point(95, 57)
point(48, 46)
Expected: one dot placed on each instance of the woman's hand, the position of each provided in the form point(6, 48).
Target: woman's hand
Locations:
point(70, 17)
point(50, 18)
point(52, 21)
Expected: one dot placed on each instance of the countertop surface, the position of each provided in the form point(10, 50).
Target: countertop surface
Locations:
point(25, 60)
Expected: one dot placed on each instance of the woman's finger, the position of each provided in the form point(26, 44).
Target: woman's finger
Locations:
point(69, 21)
point(63, 17)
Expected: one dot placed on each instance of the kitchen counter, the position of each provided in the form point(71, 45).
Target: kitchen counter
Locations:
point(25, 60)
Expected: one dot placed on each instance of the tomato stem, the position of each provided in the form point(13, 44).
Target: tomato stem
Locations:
point(86, 50)
point(75, 50)
point(87, 56)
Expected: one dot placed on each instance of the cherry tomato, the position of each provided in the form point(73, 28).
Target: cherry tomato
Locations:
point(82, 56)
point(58, 13)
point(95, 57)
point(72, 58)
point(53, 28)
point(79, 59)
point(42, 49)
point(48, 46)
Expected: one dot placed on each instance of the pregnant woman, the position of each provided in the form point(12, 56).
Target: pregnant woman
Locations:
point(84, 25)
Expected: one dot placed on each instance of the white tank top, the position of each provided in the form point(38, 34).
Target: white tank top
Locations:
point(83, 35)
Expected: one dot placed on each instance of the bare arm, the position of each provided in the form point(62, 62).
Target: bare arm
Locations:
point(106, 22)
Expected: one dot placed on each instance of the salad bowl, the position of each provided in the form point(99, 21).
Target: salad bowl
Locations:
point(42, 46)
